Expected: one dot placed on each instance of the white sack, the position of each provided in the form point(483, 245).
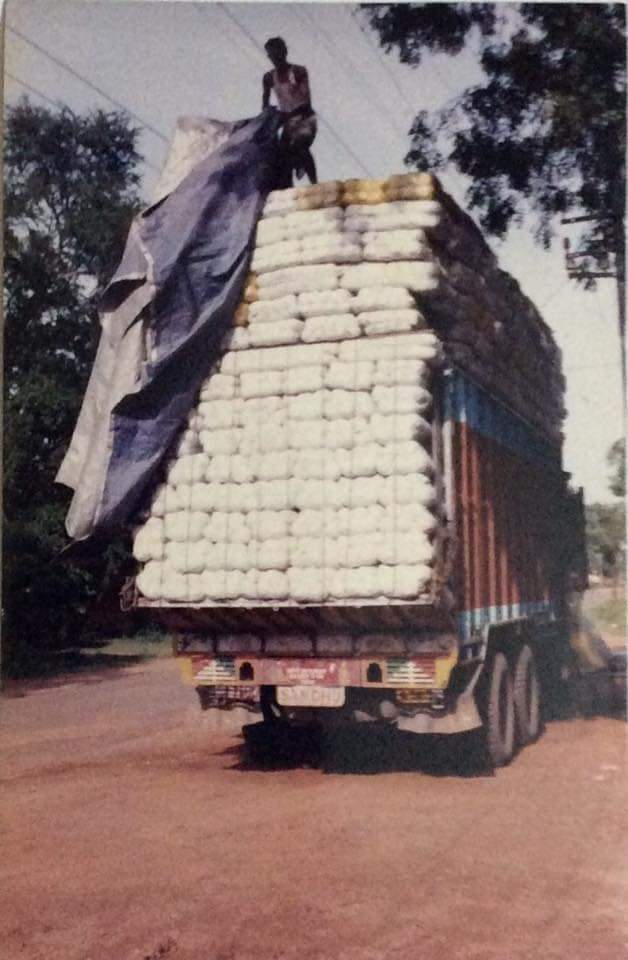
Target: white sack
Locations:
point(148, 541)
point(316, 463)
point(306, 406)
point(264, 384)
point(403, 582)
point(350, 376)
point(273, 495)
point(219, 441)
point(382, 298)
point(219, 386)
point(185, 526)
point(408, 489)
point(319, 303)
point(309, 433)
point(280, 331)
point(422, 345)
point(273, 554)
point(405, 549)
point(270, 524)
point(390, 373)
point(270, 311)
point(341, 404)
point(365, 491)
point(307, 552)
point(219, 469)
point(275, 466)
point(243, 469)
point(406, 518)
point(297, 280)
point(219, 413)
point(401, 399)
point(174, 586)
point(401, 458)
point(272, 585)
point(389, 245)
point(273, 256)
point(402, 426)
point(158, 503)
point(263, 409)
point(187, 469)
point(377, 322)
point(149, 580)
point(340, 326)
point(187, 443)
point(364, 460)
point(236, 339)
point(362, 582)
point(303, 379)
point(307, 585)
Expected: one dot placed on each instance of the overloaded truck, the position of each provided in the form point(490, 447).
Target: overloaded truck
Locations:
point(365, 516)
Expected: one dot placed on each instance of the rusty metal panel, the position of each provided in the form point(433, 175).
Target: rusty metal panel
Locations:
point(509, 488)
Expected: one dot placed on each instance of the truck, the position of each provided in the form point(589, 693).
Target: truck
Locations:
point(475, 634)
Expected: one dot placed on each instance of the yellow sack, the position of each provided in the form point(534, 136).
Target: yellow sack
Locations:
point(251, 293)
point(241, 316)
point(413, 180)
point(318, 201)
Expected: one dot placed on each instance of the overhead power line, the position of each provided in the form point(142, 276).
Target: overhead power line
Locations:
point(58, 105)
point(355, 74)
point(33, 90)
point(88, 83)
point(325, 123)
point(381, 59)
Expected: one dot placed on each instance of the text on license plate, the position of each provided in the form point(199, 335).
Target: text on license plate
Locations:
point(310, 696)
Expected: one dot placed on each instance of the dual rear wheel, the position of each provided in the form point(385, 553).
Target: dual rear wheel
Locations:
point(512, 705)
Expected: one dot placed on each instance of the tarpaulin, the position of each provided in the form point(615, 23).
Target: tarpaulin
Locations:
point(165, 313)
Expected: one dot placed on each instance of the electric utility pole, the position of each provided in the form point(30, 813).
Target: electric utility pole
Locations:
point(597, 261)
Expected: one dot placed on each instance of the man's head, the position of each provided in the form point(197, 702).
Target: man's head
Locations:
point(277, 51)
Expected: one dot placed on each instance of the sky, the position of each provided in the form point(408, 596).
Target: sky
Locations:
point(161, 60)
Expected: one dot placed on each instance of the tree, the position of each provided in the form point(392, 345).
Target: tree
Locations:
point(606, 536)
point(71, 191)
point(616, 460)
point(545, 131)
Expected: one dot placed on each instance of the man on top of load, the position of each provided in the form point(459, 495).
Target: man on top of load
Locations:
point(291, 87)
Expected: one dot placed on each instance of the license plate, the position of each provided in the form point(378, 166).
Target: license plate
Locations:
point(310, 696)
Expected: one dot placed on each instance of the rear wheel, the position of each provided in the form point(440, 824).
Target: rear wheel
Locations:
point(527, 697)
point(500, 713)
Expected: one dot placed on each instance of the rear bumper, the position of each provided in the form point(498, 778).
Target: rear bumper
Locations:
point(411, 674)
point(410, 693)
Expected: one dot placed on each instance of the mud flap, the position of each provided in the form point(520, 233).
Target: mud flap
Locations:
point(464, 718)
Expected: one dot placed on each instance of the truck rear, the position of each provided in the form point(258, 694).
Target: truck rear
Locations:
point(365, 517)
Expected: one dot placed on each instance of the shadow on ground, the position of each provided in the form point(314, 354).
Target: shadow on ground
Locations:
point(361, 749)
point(374, 748)
point(53, 669)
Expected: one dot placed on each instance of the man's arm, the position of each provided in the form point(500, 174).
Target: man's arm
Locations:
point(301, 76)
point(267, 85)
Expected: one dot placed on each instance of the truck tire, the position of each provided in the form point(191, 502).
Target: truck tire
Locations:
point(500, 713)
point(527, 697)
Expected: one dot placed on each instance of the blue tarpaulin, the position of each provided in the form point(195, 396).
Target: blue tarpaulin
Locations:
point(164, 315)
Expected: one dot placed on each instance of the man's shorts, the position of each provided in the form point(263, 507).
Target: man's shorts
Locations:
point(299, 132)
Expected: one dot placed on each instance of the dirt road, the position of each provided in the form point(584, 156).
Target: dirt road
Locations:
point(133, 830)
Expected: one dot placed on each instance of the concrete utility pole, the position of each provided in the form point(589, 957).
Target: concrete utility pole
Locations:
point(609, 265)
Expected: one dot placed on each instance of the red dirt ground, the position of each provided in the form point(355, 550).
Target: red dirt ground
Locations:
point(133, 830)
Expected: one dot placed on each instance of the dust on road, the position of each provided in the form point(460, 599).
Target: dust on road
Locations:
point(132, 829)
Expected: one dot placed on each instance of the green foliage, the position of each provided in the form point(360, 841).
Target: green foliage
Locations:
point(606, 536)
point(71, 191)
point(617, 462)
point(545, 130)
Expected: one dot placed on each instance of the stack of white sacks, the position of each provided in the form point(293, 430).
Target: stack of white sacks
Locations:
point(305, 473)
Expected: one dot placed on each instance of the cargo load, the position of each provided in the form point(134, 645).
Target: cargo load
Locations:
point(365, 512)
